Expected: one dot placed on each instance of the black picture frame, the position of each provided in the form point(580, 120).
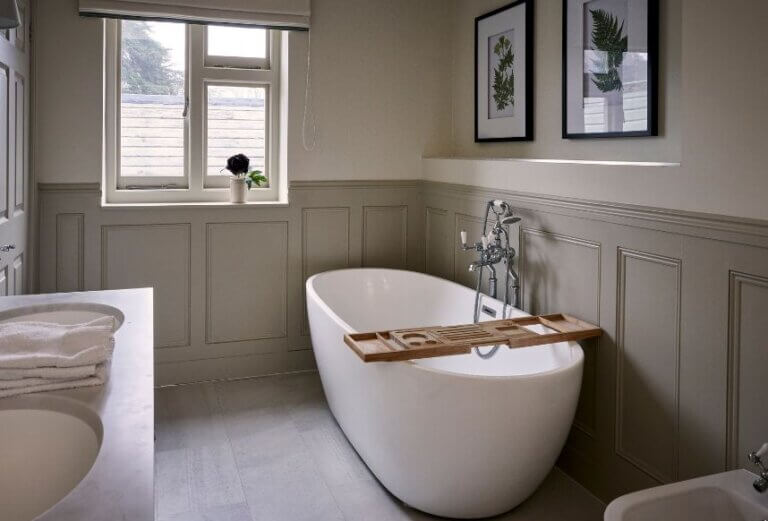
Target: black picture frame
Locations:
point(652, 129)
point(527, 134)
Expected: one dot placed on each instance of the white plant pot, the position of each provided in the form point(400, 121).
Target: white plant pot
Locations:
point(238, 190)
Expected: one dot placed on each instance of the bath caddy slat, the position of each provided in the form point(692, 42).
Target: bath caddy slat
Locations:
point(428, 342)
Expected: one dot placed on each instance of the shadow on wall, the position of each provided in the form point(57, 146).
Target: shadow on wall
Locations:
point(536, 282)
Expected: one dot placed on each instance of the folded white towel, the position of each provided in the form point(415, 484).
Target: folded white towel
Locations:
point(50, 373)
point(29, 345)
point(67, 375)
point(52, 385)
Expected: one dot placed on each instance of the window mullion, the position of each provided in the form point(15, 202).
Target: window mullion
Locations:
point(112, 103)
point(194, 141)
point(275, 166)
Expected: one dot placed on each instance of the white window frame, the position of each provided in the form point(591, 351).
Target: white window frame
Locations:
point(222, 181)
point(201, 71)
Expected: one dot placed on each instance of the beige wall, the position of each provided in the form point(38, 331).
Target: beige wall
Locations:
point(67, 74)
point(548, 91)
point(391, 86)
point(713, 118)
point(380, 71)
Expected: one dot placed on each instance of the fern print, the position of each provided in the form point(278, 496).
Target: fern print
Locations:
point(609, 38)
point(504, 74)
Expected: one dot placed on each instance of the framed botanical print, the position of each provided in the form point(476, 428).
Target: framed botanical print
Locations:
point(504, 73)
point(610, 68)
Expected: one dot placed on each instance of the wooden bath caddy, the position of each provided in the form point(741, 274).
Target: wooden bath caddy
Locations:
point(428, 342)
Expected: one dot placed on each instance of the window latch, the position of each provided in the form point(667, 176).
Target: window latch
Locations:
point(185, 112)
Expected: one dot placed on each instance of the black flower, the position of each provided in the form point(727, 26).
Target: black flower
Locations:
point(238, 164)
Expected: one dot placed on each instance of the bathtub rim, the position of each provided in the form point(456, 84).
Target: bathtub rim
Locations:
point(576, 360)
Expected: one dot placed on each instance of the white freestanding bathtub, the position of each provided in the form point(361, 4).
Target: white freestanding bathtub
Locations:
point(454, 436)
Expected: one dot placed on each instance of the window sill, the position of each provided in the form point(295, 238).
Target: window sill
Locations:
point(188, 205)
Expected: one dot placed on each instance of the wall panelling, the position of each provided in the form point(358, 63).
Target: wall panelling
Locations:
point(385, 236)
point(560, 272)
point(247, 269)
point(670, 391)
point(748, 360)
point(647, 372)
point(69, 252)
point(325, 243)
point(655, 387)
point(439, 243)
point(228, 279)
point(158, 256)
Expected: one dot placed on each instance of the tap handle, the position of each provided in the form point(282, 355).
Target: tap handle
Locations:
point(757, 456)
point(464, 238)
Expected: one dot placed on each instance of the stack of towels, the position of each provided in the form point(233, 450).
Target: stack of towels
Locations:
point(42, 356)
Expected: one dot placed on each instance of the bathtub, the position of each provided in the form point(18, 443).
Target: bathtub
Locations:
point(454, 436)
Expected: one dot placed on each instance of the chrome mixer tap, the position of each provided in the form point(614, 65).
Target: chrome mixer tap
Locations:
point(494, 248)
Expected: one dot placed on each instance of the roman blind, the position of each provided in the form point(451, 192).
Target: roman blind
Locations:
point(276, 14)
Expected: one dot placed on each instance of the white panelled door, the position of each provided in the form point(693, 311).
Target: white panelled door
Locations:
point(14, 154)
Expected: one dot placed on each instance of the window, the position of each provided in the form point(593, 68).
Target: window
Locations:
point(183, 98)
point(237, 46)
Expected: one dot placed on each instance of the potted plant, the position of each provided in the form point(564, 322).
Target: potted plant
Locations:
point(242, 178)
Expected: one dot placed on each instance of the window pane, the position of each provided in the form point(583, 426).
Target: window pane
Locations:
point(152, 99)
point(235, 126)
point(243, 42)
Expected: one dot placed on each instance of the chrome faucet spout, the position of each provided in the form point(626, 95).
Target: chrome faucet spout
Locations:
point(511, 273)
point(492, 283)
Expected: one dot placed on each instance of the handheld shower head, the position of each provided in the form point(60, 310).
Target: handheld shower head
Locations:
point(499, 207)
point(503, 212)
point(509, 219)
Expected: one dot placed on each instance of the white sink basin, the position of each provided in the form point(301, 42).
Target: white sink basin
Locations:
point(47, 446)
point(720, 497)
point(65, 313)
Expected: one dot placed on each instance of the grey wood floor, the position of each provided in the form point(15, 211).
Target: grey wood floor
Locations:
point(268, 449)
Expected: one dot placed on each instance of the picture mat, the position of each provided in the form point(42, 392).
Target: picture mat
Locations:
point(513, 18)
point(636, 29)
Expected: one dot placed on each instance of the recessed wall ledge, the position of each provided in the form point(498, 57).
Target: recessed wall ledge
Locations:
point(282, 203)
point(595, 162)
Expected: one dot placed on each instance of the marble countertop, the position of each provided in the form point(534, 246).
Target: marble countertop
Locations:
point(120, 485)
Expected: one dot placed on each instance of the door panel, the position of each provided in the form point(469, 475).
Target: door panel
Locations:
point(20, 167)
point(3, 143)
point(17, 273)
point(14, 155)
